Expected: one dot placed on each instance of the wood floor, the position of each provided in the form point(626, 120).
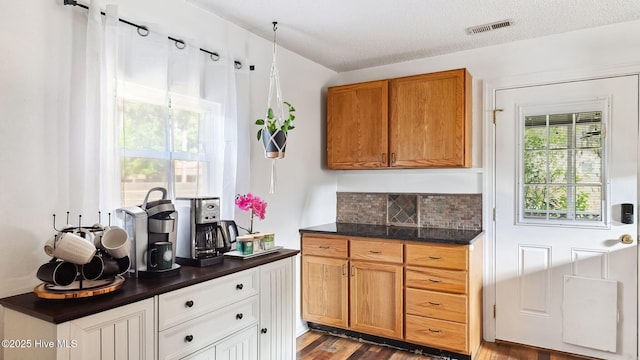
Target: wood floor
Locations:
point(319, 346)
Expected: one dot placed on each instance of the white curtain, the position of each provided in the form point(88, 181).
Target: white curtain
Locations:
point(121, 65)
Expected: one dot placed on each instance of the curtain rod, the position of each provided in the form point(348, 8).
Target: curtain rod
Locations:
point(214, 56)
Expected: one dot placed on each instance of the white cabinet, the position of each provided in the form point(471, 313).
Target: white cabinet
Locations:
point(277, 338)
point(247, 315)
point(126, 332)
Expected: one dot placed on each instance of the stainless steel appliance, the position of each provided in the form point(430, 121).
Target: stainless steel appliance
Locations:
point(151, 222)
point(202, 237)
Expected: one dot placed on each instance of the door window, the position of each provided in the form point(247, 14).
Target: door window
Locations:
point(562, 177)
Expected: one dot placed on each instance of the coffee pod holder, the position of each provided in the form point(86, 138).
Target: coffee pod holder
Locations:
point(80, 287)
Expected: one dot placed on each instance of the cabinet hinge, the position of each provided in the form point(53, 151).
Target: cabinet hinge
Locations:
point(494, 311)
point(494, 114)
point(494, 214)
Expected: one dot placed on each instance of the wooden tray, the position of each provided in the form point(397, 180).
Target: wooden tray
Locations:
point(73, 291)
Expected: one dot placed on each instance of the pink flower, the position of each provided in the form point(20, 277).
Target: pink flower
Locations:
point(254, 204)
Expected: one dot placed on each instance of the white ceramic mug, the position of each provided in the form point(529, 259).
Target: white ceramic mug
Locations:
point(70, 247)
point(115, 241)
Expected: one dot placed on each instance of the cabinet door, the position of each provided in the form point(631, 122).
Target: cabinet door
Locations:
point(357, 118)
point(376, 299)
point(276, 327)
point(241, 346)
point(126, 332)
point(325, 291)
point(430, 120)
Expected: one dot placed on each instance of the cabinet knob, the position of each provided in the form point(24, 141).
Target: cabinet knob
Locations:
point(263, 330)
point(239, 287)
point(434, 258)
point(239, 316)
point(434, 331)
point(189, 303)
point(188, 338)
point(435, 280)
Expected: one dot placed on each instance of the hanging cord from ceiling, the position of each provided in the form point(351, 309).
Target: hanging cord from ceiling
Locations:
point(144, 31)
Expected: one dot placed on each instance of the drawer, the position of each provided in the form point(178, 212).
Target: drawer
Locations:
point(441, 256)
point(387, 251)
point(195, 334)
point(182, 305)
point(324, 246)
point(440, 334)
point(436, 305)
point(436, 279)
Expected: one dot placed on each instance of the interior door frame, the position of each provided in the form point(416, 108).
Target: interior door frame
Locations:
point(489, 88)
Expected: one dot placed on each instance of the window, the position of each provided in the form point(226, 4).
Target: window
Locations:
point(166, 141)
point(562, 178)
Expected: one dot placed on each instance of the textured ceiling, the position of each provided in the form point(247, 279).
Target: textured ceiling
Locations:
point(347, 35)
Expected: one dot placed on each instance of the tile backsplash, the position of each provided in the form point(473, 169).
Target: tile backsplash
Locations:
point(450, 211)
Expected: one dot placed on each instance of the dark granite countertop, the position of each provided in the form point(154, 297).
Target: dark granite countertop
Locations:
point(133, 290)
point(436, 235)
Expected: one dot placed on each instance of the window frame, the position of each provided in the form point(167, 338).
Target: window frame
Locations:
point(576, 106)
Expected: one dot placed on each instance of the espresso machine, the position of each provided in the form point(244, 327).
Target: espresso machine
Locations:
point(201, 240)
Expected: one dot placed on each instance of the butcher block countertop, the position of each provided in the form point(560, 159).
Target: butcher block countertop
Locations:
point(435, 235)
point(133, 290)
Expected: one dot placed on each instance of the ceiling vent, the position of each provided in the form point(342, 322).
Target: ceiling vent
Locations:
point(488, 27)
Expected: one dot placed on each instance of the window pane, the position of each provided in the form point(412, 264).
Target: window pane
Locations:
point(558, 166)
point(138, 176)
point(190, 178)
point(535, 197)
point(186, 130)
point(588, 166)
point(558, 198)
point(588, 202)
point(588, 135)
point(535, 137)
point(535, 167)
point(143, 126)
point(559, 137)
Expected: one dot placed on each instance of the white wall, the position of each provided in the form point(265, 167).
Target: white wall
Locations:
point(35, 75)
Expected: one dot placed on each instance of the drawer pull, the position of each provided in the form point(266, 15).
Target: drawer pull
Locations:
point(375, 252)
point(344, 269)
point(188, 338)
point(239, 316)
point(434, 258)
point(434, 304)
point(239, 287)
point(263, 330)
point(435, 280)
point(189, 303)
point(434, 331)
point(324, 247)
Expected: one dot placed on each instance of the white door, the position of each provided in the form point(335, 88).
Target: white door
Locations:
point(566, 160)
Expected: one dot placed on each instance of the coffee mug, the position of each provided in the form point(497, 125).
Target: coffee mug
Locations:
point(70, 247)
point(160, 256)
point(61, 273)
point(115, 241)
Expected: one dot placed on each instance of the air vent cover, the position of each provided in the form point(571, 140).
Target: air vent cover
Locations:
point(488, 27)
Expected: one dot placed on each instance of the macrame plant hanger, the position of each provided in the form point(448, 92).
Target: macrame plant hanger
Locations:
point(273, 137)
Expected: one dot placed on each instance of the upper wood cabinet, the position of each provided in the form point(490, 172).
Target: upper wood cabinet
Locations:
point(421, 121)
point(357, 127)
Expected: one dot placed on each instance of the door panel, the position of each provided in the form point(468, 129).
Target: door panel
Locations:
point(576, 234)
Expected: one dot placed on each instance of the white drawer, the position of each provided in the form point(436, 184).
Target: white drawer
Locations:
point(182, 305)
point(193, 335)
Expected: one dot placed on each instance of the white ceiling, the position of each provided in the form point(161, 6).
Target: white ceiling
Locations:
point(347, 35)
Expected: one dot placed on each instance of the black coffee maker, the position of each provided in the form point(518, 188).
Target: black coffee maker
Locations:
point(202, 237)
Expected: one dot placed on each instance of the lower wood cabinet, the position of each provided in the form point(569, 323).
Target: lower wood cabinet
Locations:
point(325, 290)
point(376, 299)
point(428, 294)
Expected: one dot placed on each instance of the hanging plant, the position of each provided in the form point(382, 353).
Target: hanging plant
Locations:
point(275, 131)
point(275, 126)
